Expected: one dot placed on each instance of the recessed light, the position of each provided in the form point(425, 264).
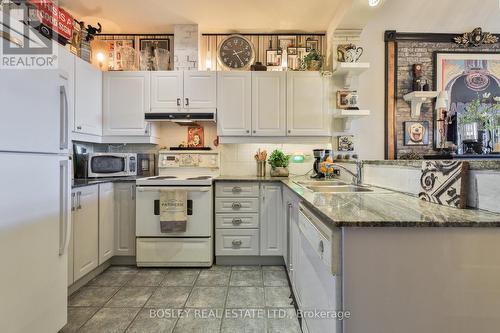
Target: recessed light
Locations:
point(373, 3)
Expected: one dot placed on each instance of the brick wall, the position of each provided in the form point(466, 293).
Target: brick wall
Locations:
point(410, 53)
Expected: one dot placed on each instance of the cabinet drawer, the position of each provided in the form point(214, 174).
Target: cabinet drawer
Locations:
point(236, 189)
point(244, 242)
point(233, 205)
point(237, 221)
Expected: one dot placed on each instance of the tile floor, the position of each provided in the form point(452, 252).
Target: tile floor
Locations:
point(232, 299)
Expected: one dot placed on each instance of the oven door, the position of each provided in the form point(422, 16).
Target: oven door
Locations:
point(108, 166)
point(199, 218)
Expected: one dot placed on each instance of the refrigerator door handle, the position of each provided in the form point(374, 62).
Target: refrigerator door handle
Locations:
point(65, 210)
point(63, 144)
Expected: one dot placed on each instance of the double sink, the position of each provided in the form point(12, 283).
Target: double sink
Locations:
point(333, 186)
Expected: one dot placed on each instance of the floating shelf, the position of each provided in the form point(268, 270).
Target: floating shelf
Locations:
point(350, 70)
point(348, 115)
point(417, 98)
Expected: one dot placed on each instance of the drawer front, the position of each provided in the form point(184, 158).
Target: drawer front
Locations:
point(237, 221)
point(244, 242)
point(236, 205)
point(236, 189)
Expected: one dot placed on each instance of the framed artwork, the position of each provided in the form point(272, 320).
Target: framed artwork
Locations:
point(195, 136)
point(285, 42)
point(346, 143)
point(312, 44)
point(347, 99)
point(154, 54)
point(273, 58)
point(121, 54)
point(291, 51)
point(416, 133)
point(465, 76)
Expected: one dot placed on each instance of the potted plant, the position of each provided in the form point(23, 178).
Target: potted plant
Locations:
point(313, 61)
point(279, 163)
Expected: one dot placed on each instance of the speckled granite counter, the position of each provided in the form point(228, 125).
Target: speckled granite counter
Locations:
point(380, 208)
point(493, 165)
point(95, 181)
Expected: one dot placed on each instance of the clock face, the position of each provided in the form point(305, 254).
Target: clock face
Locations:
point(236, 52)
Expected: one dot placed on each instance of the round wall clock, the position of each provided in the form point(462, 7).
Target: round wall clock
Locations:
point(236, 52)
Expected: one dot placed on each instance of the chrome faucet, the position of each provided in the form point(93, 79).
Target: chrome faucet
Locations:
point(357, 178)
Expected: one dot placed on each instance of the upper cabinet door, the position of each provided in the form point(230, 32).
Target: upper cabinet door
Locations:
point(125, 100)
point(88, 98)
point(234, 103)
point(308, 104)
point(200, 90)
point(166, 91)
point(268, 104)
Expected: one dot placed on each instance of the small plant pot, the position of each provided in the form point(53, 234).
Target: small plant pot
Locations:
point(314, 65)
point(279, 172)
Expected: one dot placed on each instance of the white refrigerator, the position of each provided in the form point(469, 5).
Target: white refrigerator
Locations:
point(35, 194)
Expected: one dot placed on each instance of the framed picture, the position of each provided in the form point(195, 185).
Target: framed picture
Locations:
point(285, 42)
point(416, 133)
point(347, 99)
point(291, 51)
point(273, 58)
point(195, 136)
point(121, 54)
point(346, 143)
point(465, 76)
point(312, 44)
point(155, 54)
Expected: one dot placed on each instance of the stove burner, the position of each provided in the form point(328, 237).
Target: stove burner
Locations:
point(199, 178)
point(163, 177)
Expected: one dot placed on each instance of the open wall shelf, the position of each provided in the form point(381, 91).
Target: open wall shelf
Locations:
point(417, 98)
point(346, 116)
point(349, 70)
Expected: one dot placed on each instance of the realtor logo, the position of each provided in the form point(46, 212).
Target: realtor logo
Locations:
point(27, 37)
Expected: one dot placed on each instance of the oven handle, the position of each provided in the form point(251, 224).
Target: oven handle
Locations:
point(185, 188)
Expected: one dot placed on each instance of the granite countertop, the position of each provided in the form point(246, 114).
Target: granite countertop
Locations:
point(248, 179)
point(381, 208)
point(473, 164)
point(94, 181)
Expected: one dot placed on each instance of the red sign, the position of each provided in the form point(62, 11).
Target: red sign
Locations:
point(54, 17)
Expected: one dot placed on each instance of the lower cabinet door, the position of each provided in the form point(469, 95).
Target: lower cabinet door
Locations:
point(235, 242)
point(124, 219)
point(86, 231)
point(272, 231)
point(106, 222)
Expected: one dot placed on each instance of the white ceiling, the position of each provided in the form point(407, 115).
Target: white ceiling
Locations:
point(157, 16)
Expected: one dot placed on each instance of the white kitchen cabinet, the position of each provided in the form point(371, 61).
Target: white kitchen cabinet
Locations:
point(106, 222)
point(234, 103)
point(124, 219)
point(268, 103)
point(183, 91)
point(272, 232)
point(167, 91)
point(88, 99)
point(66, 63)
point(126, 97)
point(200, 90)
point(85, 230)
point(308, 110)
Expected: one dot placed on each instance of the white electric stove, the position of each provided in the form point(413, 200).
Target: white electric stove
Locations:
point(189, 171)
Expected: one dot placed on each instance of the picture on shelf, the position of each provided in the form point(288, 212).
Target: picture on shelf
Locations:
point(155, 54)
point(416, 133)
point(273, 58)
point(347, 99)
point(312, 44)
point(121, 54)
point(195, 136)
point(345, 143)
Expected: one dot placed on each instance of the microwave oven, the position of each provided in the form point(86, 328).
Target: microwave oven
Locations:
point(98, 165)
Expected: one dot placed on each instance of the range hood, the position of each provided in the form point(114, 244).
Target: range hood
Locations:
point(180, 117)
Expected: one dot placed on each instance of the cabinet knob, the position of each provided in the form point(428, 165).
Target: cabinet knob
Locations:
point(187, 101)
point(248, 131)
point(254, 131)
point(289, 131)
point(236, 189)
point(237, 221)
point(78, 127)
point(236, 205)
point(236, 242)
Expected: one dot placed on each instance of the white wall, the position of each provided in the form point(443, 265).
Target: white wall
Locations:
point(439, 16)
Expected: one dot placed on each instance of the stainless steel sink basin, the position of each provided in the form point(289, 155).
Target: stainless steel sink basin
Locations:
point(339, 189)
point(322, 183)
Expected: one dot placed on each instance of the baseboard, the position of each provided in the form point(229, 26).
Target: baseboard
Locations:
point(123, 260)
point(85, 279)
point(249, 260)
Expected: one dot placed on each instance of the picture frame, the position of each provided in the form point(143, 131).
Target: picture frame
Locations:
point(116, 54)
point(273, 58)
point(347, 99)
point(285, 42)
point(312, 44)
point(345, 143)
point(195, 137)
point(416, 133)
point(149, 49)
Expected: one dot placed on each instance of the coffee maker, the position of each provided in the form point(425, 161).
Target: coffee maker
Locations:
point(320, 155)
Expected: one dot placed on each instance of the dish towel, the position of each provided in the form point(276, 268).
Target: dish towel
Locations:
point(173, 211)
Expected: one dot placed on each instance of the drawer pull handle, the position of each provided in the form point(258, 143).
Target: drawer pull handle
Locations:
point(321, 247)
point(236, 242)
point(237, 221)
point(236, 189)
point(236, 205)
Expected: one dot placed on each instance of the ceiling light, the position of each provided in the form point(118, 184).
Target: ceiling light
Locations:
point(373, 3)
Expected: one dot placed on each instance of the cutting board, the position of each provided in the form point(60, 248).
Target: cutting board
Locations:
point(444, 183)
